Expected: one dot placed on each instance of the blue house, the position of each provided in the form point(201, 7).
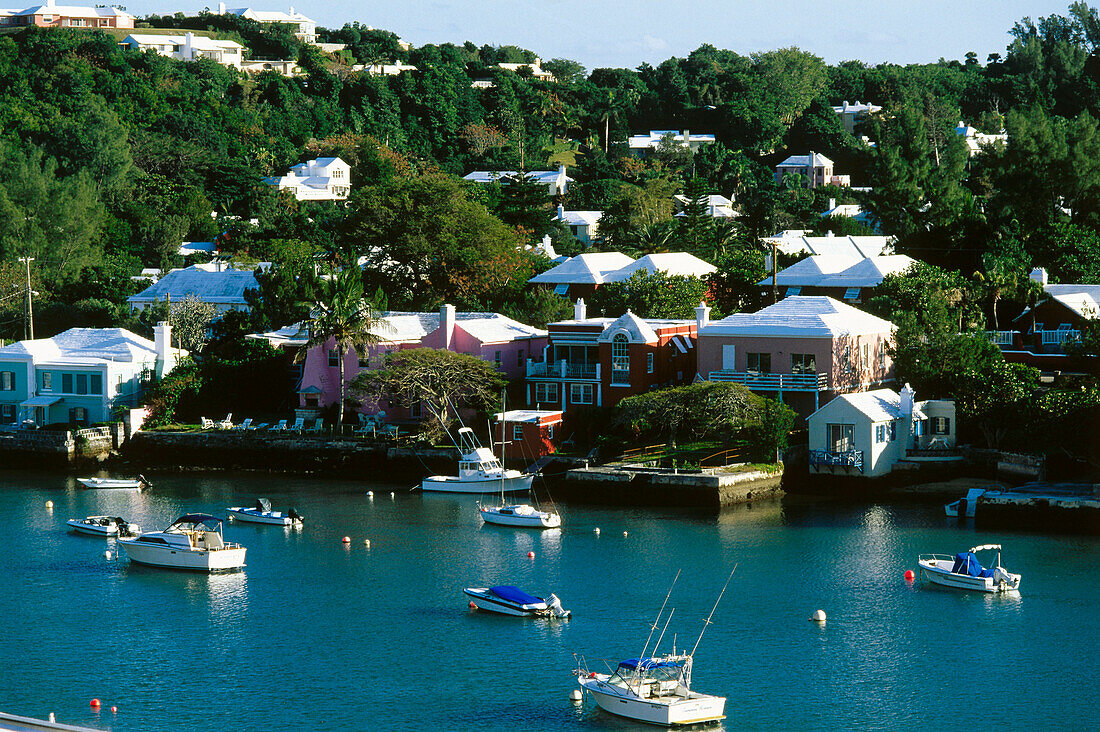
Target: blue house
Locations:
point(80, 376)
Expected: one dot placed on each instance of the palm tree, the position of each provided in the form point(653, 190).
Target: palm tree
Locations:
point(1001, 278)
point(344, 317)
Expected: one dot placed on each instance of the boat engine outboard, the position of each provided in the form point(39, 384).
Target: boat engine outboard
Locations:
point(553, 604)
point(1003, 578)
point(294, 515)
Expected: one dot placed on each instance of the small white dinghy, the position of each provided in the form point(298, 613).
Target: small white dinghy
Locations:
point(964, 572)
point(124, 484)
point(519, 514)
point(509, 600)
point(261, 513)
point(104, 526)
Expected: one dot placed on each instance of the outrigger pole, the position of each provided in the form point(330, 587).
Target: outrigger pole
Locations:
point(657, 622)
point(707, 621)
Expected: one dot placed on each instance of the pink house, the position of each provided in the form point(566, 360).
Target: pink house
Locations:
point(67, 16)
point(802, 350)
point(489, 336)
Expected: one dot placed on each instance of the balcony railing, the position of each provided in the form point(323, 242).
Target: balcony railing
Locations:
point(563, 370)
point(773, 382)
point(848, 459)
point(1000, 337)
point(1059, 337)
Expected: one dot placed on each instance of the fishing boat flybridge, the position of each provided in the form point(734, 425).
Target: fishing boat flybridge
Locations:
point(479, 471)
point(193, 541)
point(964, 572)
point(656, 688)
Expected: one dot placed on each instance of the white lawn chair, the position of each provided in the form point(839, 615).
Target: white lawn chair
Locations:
point(207, 424)
point(227, 423)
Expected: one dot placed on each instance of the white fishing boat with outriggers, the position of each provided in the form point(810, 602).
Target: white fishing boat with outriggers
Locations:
point(964, 572)
point(118, 484)
point(104, 526)
point(479, 471)
point(193, 541)
point(261, 513)
point(653, 688)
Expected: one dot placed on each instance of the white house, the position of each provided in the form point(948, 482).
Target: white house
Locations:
point(717, 207)
point(583, 225)
point(815, 170)
point(535, 68)
point(841, 276)
point(642, 145)
point(680, 264)
point(80, 376)
point(976, 140)
point(188, 47)
point(851, 114)
point(287, 67)
point(850, 211)
point(223, 288)
point(322, 179)
point(556, 181)
point(579, 276)
point(304, 28)
point(867, 433)
point(795, 241)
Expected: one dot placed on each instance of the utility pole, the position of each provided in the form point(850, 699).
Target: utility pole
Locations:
point(28, 323)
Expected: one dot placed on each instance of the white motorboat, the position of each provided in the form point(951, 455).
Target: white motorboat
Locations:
point(964, 572)
point(193, 541)
point(261, 513)
point(509, 600)
point(126, 484)
point(656, 688)
point(965, 507)
point(519, 514)
point(104, 526)
point(479, 471)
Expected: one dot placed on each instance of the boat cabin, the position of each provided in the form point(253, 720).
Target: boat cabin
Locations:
point(654, 677)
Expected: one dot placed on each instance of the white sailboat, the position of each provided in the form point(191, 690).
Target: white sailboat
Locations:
point(522, 515)
point(656, 689)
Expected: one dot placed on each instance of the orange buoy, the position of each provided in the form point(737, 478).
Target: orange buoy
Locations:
point(473, 606)
point(347, 540)
point(909, 574)
point(94, 703)
point(531, 555)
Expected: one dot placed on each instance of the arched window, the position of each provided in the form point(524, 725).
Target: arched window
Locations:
point(620, 359)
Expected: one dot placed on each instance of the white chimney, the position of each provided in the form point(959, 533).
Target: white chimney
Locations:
point(188, 53)
point(561, 212)
point(221, 8)
point(702, 316)
point(447, 324)
point(832, 203)
point(162, 344)
point(580, 310)
point(906, 407)
point(1039, 274)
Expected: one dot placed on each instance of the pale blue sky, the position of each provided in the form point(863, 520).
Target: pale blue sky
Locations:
point(629, 32)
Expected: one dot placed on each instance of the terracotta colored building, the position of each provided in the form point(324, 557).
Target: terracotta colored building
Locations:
point(528, 434)
point(52, 15)
point(600, 361)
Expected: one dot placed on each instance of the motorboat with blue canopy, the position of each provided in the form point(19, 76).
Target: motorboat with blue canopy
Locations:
point(193, 541)
point(511, 600)
point(261, 513)
point(964, 571)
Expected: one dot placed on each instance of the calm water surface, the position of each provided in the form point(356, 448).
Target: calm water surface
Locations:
point(313, 634)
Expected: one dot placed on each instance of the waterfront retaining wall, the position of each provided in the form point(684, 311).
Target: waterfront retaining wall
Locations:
point(654, 486)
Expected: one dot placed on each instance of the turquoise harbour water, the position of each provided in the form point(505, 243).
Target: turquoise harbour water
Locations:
point(316, 635)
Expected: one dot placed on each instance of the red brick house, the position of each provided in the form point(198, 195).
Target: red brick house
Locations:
point(600, 361)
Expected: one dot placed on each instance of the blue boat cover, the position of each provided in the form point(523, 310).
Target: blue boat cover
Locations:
point(968, 564)
point(647, 663)
point(514, 594)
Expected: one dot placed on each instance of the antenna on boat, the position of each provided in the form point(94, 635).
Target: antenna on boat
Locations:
point(656, 622)
point(707, 621)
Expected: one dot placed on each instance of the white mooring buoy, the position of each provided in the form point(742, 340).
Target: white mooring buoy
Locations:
point(107, 554)
point(597, 531)
point(818, 616)
point(49, 504)
point(576, 695)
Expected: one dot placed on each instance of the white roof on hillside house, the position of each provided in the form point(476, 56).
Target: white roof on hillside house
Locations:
point(636, 328)
point(267, 16)
point(591, 268)
point(857, 107)
point(800, 316)
point(409, 327)
point(556, 178)
point(841, 270)
point(1084, 300)
point(202, 43)
point(293, 336)
point(226, 287)
point(879, 405)
point(579, 218)
point(85, 346)
point(69, 11)
point(671, 263)
point(653, 139)
point(812, 160)
point(796, 242)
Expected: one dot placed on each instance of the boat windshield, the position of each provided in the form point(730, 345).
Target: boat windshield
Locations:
point(195, 522)
point(665, 672)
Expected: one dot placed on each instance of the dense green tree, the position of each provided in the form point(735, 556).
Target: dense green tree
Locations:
point(657, 295)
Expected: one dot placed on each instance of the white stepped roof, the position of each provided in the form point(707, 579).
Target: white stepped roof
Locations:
point(671, 263)
point(861, 246)
point(800, 316)
point(486, 327)
point(841, 270)
point(86, 345)
point(592, 268)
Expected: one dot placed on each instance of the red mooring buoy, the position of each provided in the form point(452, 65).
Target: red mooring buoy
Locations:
point(909, 574)
point(94, 703)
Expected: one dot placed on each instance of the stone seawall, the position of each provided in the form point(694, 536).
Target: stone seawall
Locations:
point(290, 453)
point(615, 484)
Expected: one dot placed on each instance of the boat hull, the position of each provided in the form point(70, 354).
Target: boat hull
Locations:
point(175, 557)
point(667, 711)
point(944, 578)
point(534, 520)
point(110, 484)
point(490, 603)
point(93, 529)
point(453, 484)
